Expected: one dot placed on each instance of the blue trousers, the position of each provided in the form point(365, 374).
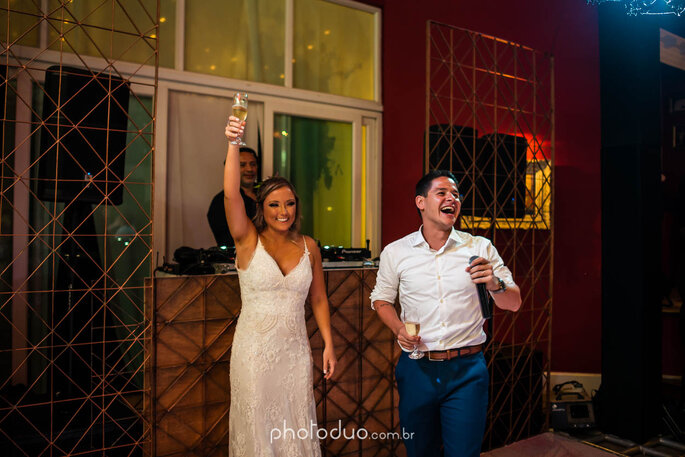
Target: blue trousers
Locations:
point(443, 404)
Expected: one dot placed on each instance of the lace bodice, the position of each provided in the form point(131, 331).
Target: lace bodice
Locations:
point(265, 289)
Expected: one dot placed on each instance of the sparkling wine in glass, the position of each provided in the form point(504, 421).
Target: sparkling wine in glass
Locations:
point(413, 329)
point(240, 111)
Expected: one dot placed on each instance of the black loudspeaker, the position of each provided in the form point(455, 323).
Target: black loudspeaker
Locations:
point(488, 169)
point(83, 138)
point(502, 158)
point(454, 147)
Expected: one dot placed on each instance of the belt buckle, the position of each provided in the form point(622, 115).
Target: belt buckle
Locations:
point(435, 360)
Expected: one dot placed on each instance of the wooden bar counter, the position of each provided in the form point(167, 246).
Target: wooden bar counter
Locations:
point(188, 362)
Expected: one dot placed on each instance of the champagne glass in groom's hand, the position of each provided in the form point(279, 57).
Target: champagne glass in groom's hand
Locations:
point(413, 327)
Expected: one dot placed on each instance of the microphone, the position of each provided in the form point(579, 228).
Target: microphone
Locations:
point(483, 296)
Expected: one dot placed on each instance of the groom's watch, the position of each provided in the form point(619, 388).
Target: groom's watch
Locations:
point(502, 286)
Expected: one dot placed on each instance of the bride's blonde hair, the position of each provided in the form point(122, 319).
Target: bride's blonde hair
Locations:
point(265, 188)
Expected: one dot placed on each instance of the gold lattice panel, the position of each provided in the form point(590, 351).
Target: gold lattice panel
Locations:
point(489, 120)
point(76, 229)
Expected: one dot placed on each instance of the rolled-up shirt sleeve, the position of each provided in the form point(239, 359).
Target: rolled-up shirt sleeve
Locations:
point(387, 279)
point(498, 268)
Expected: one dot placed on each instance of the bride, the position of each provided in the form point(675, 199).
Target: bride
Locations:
point(271, 362)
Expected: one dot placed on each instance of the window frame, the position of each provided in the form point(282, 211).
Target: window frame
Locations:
point(357, 118)
point(179, 51)
point(273, 105)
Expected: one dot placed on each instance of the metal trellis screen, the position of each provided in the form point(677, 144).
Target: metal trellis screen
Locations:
point(489, 119)
point(76, 229)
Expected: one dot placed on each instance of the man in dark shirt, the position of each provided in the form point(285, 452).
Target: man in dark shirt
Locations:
point(217, 214)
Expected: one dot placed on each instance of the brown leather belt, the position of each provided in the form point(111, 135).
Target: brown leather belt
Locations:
point(441, 356)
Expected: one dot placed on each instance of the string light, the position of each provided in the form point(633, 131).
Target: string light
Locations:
point(648, 7)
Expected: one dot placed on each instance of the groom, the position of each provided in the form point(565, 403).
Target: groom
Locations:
point(444, 395)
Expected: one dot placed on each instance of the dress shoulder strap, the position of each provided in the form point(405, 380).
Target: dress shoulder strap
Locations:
point(306, 250)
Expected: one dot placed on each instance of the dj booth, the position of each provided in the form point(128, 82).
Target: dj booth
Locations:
point(193, 318)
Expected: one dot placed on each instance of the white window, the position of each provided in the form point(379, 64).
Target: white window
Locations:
point(311, 65)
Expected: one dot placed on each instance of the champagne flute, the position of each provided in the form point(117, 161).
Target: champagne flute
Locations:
point(240, 111)
point(413, 328)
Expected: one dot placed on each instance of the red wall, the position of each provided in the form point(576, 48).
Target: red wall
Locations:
point(568, 30)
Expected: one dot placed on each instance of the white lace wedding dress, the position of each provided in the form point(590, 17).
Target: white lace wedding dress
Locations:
point(271, 363)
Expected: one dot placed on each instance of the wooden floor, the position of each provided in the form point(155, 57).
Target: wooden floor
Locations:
point(548, 445)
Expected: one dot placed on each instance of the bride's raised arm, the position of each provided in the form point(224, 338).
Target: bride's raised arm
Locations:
point(241, 227)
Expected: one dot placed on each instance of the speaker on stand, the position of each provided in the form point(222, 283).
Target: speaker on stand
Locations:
point(82, 147)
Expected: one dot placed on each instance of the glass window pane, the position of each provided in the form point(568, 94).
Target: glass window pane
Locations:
point(167, 33)
point(239, 39)
point(23, 20)
point(333, 49)
point(316, 156)
point(124, 30)
point(125, 237)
